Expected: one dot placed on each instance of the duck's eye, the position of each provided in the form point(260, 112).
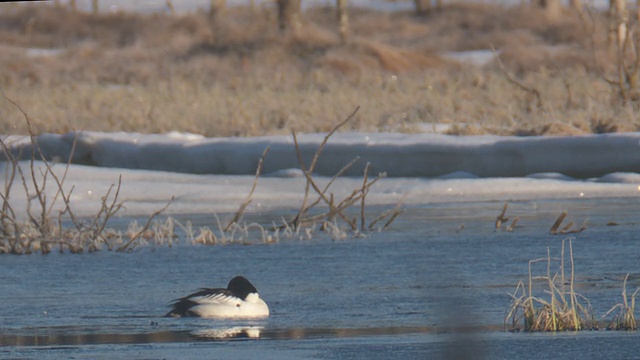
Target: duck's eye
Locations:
point(238, 304)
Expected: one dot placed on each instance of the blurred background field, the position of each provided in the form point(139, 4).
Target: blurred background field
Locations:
point(236, 73)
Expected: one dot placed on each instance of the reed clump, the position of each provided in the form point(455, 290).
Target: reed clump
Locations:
point(560, 309)
point(624, 312)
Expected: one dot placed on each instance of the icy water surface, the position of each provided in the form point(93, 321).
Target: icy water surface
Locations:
point(433, 286)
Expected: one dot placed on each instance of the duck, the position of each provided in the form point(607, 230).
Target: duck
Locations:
point(239, 300)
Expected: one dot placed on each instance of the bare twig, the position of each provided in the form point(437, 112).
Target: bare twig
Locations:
point(394, 210)
point(567, 229)
point(513, 224)
point(501, 218)
point(556, 225)
point(528, 89)
point(135, 237)
point(106, 212)
point(356, 193)
point(38, 188)
point(307, 172)
point(61, 180)
point(337, 175)
point(247, 201)
point(7, 214)
point(364, 191)
point(315, 187)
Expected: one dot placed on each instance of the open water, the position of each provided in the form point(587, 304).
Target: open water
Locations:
point(435, 285)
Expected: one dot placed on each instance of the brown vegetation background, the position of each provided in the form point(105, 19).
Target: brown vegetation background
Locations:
point(238, 74)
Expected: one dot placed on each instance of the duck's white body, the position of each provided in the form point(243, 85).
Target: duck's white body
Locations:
point(239, 300)
point(224, 306)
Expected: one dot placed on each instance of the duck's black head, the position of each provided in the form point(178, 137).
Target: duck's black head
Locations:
point(241, 287)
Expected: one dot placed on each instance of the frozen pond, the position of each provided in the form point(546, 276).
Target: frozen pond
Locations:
point(433, 286)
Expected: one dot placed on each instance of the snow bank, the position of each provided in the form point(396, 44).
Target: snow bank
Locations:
point(215, 175)
point(399, 155)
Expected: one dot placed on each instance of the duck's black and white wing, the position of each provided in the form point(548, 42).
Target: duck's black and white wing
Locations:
point(190, 304)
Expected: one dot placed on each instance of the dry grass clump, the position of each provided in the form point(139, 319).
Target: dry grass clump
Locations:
point(625, 318)
point(563, 310)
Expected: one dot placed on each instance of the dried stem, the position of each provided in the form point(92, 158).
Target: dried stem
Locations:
point(364, 191)
point(501, 219)
point(247, 201)
point(309, 171)
point(556, 225)
point(395, 211)
point(528, 89)
point(135, 237)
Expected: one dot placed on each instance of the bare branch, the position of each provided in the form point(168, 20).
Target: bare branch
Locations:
point(519, 84)
point(394, 210)
point(364, 191)
point(307, 172)
point(126, 246)
point(501, 219)
point(556, 224)
point(337, 175)
point(246, 202)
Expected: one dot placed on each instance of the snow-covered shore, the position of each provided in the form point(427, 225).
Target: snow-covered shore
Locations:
point(399, 155)
point(215, 175)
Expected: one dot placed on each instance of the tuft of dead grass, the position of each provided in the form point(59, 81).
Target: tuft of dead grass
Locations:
point(625, 318)
point(563, 310)
point(549, 302)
